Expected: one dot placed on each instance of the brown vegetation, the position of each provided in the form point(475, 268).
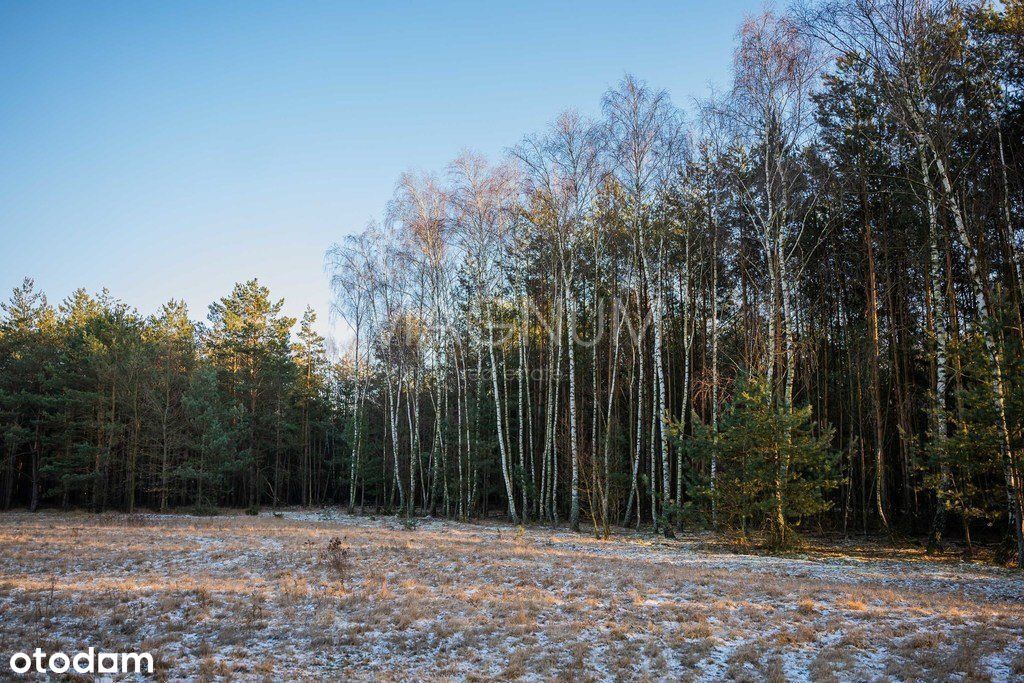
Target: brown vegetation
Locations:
point(310, 595)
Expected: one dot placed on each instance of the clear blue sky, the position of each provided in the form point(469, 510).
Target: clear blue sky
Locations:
point(171, 149)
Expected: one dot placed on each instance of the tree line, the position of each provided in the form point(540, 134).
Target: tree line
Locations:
point(105, 408)
point(796, 305)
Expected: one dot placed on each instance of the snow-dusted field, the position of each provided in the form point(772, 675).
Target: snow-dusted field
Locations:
point(272, 598)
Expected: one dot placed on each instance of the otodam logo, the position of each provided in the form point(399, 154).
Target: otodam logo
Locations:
point(88, 662)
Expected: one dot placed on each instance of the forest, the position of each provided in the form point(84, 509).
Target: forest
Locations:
point(792, 306)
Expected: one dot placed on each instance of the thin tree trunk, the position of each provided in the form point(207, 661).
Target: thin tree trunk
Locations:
point(501, 431)
point(939, 426)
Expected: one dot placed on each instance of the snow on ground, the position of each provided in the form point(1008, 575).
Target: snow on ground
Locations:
point(317, 594)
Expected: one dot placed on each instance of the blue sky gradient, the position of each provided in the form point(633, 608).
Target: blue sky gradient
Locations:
point(171, 149)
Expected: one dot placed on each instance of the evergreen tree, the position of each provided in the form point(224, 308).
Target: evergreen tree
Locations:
point(26, 397)
point(249, 345)
point(753, 438)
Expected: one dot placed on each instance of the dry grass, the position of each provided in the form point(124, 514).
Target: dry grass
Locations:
point(313, 596)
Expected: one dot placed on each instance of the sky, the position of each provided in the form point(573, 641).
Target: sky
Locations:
point(171, 149)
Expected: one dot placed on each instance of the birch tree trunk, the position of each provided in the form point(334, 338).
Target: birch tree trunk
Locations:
point(574, 502)
point(393, 417)
point(498, 416)
point(939, 423)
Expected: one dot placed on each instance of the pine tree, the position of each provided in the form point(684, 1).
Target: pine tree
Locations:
point(249, 345)
point(754, 437)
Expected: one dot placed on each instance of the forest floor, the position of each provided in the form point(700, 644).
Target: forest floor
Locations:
point(277, 598)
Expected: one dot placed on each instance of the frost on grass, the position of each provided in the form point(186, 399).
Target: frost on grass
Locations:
point(317, 594)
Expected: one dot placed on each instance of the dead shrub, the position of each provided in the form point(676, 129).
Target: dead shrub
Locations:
point(335, 558)
point(807, 607)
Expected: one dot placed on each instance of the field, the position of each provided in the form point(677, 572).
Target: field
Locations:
point(318, 594)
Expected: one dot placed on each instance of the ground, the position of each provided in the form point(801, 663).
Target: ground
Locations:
point(314, 595)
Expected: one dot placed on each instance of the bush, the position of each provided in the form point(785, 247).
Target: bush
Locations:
point(774, 466)
point(204, 510)
point(335, 557)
